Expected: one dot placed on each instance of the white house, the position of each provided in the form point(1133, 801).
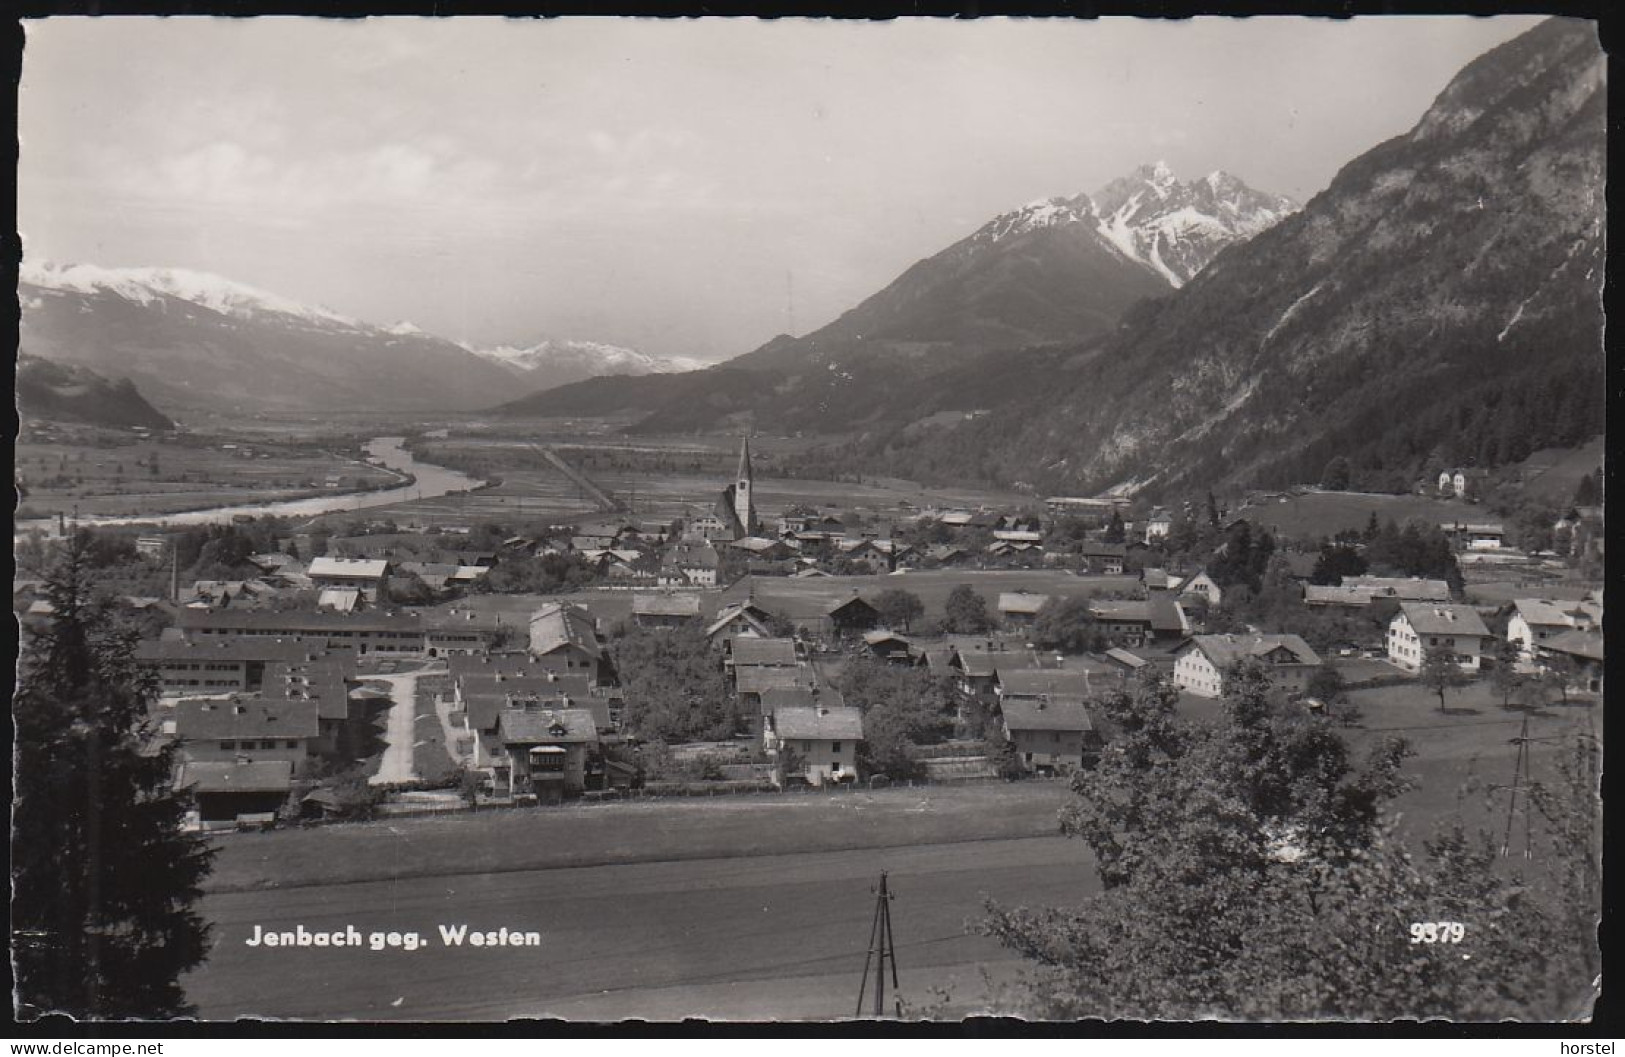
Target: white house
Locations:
point(1202, 664)
point(1421, 626)
point(818, 744)
point(1204, 585)
point(1535, 621)
point(1158, 525)
point(361, 574)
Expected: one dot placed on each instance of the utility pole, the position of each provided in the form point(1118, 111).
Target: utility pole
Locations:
point(883, 947)
point(1520, 784)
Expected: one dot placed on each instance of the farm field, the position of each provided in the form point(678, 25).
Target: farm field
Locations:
point(140, 477)
point(1317, 514)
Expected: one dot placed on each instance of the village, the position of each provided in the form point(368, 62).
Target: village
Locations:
point(402, 669)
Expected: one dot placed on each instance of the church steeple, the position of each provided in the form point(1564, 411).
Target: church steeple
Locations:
point(744, 506)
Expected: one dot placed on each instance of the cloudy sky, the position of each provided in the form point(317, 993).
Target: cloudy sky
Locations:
point(654, 183)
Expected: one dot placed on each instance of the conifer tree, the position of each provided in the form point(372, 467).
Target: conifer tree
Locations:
point(104, 881)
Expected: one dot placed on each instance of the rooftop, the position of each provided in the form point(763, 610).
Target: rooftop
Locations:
point(1061, 715)
point(524, 726)
point(818, 724)
point(1432, 618)
point(259, 776)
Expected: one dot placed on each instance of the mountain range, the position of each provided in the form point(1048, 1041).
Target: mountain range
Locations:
point(1051, 272)
point(1440, 302)
point(190, 339)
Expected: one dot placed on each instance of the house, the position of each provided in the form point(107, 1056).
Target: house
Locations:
point(227, 790)
point(1141, 622)
point(1203, 585)
point(890, 647)
point(1403, 589)
point(156, 548)
point(690, 561)
point(815, 745)
point(446, 636)
point(751, 681)
point(1160, 580)
point(1329, 595)
point(1536, 620)
point(852, 616)
point(340, 599)
point(564, 639)
point(248, 727)
point(1158, 525)
point(1421, 626)
point(1035, 684)
point(945, 555)
point(1102, 559)
point(1202, 665)
point(221, 666)
point(759, 651)
point(1476, 537)
point(324, 681)
point(1050, 735)
point(1019, 609)
point(665, 610)
point(372, 631)
point(1583, 651)
point(740, 620)
point(365, 575)
point(546, 752)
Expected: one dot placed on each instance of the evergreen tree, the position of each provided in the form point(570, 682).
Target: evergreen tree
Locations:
point(966, 612)
point(1115, 532)
point(1335, 478)
point(104, 880)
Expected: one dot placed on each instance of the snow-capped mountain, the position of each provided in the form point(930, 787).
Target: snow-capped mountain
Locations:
point(1152, 218)
point(192, 339)
point(150, 286)
point(1177, 228)
point(560, 362)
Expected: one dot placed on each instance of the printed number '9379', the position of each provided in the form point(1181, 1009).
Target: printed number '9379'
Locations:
point(1437, 931)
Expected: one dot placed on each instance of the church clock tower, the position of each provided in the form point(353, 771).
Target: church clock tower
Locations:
point(744, 506)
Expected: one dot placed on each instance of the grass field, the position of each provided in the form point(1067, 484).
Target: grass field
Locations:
point(155, 477)
point(499, 840)
point(1554, 473)
point(1318, 514)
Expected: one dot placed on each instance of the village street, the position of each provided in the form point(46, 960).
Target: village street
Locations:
point(399, 734)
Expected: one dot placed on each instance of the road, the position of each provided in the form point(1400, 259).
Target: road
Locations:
point(401, 730)
point(780, 936)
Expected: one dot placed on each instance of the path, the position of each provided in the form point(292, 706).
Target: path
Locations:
point(399, 735)
point(605, 501)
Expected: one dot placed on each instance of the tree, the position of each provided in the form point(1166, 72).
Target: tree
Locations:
point(673, 685)
point(902, 708)
point(1585, 493)
point(1335, 562)
point(898, 608)
point(104, 880)
point(1441, 671)
point(1250, 870)
point(1335, 477)
point(1504, 676)
point(966, 612)
point(1115, 532)
point(1067, 624)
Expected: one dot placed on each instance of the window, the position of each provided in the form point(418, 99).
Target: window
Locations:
point(268, 743)
point(228, 745)
point(291, 743)
point(835, 746)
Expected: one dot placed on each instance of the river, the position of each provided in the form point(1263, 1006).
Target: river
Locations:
point(431, 481)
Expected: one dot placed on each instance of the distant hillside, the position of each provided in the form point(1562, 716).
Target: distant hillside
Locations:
point(1054, 272)
point(553, 362)
point(1440, 300)
point(65, 393)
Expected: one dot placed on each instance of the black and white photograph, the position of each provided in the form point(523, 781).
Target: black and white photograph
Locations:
point(818, 521)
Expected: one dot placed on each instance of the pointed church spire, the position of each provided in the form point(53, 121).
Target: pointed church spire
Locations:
point(744, 458)
point(744, 503)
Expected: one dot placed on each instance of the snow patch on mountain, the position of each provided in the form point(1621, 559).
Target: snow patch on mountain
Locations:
point(147, 286)
point(1152, 218)
point(593, 357)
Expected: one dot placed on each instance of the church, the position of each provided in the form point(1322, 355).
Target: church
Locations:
point(736, 506)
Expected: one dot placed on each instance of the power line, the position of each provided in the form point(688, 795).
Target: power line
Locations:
point(882, 946)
